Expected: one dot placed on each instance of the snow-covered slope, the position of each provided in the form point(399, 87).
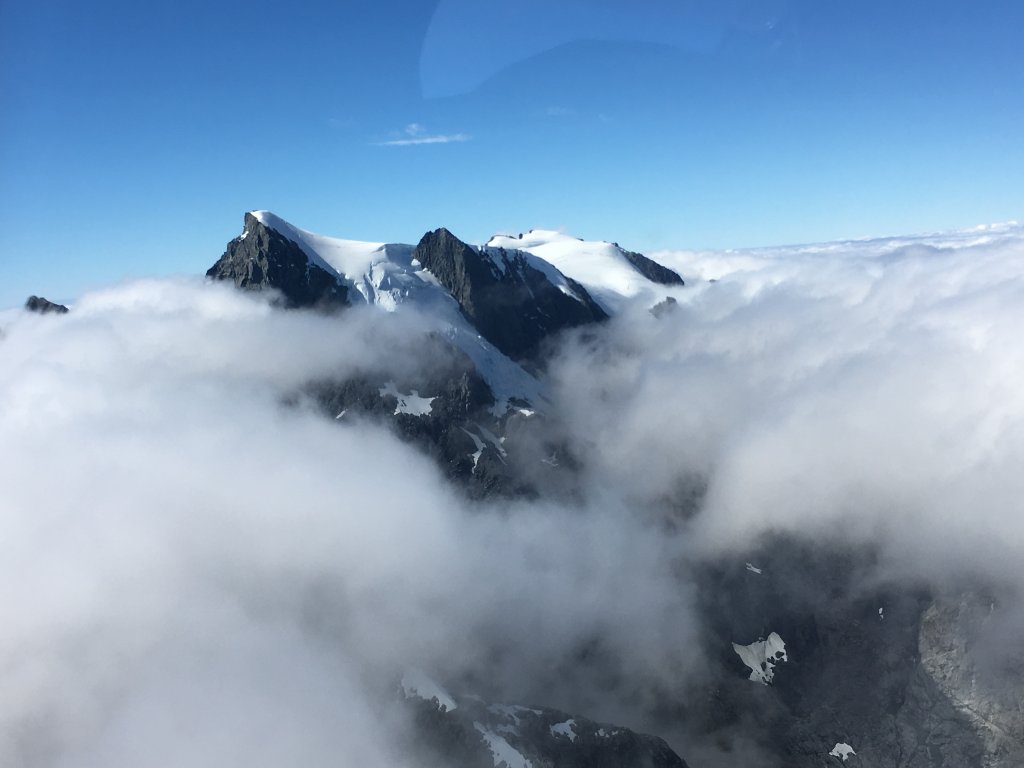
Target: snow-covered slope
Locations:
point(382, 273)
point(601, 267)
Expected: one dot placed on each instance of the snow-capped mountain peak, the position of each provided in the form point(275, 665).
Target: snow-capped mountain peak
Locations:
point(611, 274)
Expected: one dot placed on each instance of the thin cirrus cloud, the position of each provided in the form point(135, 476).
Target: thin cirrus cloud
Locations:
point(416, 134)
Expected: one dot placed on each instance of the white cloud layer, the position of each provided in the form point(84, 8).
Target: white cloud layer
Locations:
point(193, 573)
point(870, 391)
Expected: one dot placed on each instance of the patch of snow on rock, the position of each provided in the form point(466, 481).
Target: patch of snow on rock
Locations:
point(842, 751)
point(479, 447)
point(564, 729)
point(494, 440)
point(762, 656)
point(415, 684)
point(412, 403)
point(501, 750)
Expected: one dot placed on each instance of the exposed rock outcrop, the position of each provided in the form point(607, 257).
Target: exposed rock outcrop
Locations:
point(477, 733)
point(989, 694)
point(882, 668)
point(44, 306)
point(651, 269)
point(262, 258)
point(510, 300)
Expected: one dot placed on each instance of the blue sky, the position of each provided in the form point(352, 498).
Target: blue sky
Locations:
point(133, 136)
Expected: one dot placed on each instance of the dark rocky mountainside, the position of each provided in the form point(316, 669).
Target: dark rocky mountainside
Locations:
point(515, 306)
point(44, 306)
point(476, 734)
point(263, 259)
point(885, 670)
point(447, 410)
point(651, 269)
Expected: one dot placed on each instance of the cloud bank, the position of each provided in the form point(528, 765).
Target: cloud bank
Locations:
point(198, 568)
point(867, 391)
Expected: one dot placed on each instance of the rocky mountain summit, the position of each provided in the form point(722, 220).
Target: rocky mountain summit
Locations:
point(481, 410)
point(261, 258)
point(44, 306)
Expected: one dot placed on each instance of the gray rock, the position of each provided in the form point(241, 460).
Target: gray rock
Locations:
point(665, 307)
point(651, 269)
point(515, 309)
point(261, 258)
point(986, 688)
point(453, 431)
point(478, 733)
point(886, 669)
point(44, 306)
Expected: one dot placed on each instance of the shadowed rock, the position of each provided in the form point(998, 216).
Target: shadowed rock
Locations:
point(651, 269)
point(44, 306)
point(476, 733)
point(262, 258)
point(510, 301)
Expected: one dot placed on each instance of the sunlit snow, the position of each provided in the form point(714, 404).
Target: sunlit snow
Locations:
point(598, 266)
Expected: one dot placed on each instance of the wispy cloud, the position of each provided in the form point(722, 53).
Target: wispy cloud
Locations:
point(440, 139)
point(416, 134)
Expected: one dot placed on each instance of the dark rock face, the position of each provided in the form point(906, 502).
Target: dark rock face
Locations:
point(515, 307)
point(480, 734)
point(445, 409)
point(665, 307)
point(990, 695)
point(262, 258)
point(883, 668)
point(651, 269)
point(44, 306)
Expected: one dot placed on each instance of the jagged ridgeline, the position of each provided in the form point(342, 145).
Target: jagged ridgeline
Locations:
point(478, 406)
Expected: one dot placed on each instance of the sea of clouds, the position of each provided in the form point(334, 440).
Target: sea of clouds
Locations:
point(197, 568)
